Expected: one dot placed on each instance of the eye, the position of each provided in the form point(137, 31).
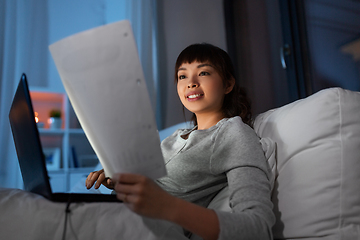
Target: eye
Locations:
point(204, 73)
point(180, 77)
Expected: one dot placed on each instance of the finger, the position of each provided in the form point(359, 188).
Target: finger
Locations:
point(124, 188)
point(109, 183)
point(88, 178)
point(96, 174)
point(101, 178)
point(92, 178)
point(89, 182)
point(123, 197)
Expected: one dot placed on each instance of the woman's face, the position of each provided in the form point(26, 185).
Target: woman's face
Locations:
point(200, 88)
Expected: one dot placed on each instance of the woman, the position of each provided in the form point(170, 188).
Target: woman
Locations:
point(222, 149)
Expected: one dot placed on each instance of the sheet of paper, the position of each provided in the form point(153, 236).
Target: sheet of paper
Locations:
point(103, 77)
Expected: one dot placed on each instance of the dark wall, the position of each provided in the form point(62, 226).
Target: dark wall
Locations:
point(256, 35)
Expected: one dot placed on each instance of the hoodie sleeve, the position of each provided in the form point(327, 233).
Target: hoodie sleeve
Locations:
point(237, 152)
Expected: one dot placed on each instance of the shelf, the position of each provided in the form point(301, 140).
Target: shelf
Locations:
point(69, 143)
point(76, 131)
point(51, 131)
point(81, 170)
point(61, 131)
point(44, 102)
point(59, 171)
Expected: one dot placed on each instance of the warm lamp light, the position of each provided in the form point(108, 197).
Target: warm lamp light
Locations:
point(39, 124)
point(36, 117)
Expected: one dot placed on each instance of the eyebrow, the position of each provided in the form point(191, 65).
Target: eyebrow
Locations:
point(199, 66)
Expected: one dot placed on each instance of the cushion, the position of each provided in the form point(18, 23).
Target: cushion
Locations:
point(316, 193)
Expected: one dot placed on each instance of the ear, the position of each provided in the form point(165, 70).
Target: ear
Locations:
point(229, 85)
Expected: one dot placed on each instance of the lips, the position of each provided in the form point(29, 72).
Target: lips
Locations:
point(193, 96)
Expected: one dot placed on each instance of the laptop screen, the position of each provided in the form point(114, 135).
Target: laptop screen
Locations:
point(27, 142)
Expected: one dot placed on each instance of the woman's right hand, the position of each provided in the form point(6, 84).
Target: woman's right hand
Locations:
point(98, 178)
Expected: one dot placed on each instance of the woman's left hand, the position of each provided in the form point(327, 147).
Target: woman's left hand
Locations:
point(142, 195)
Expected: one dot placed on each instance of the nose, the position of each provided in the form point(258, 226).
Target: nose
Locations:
point(193, 83)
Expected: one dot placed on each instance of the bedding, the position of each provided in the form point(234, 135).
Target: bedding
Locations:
point(24, 215)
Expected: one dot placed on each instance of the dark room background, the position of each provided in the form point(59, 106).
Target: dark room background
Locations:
point(283, 50)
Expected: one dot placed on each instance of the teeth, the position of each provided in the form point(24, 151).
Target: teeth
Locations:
point(194, 96)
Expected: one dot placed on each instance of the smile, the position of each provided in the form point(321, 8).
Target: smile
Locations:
point(191, 97)
point(194, 96)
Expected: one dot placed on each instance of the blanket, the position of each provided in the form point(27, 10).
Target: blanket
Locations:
point(24, 215)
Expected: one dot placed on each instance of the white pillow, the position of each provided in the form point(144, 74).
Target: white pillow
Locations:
point(318, 165)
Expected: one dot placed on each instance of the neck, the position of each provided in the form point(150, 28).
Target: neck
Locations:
point(206, 121)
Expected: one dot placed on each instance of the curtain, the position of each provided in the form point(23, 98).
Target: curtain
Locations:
point(141, 15)
point(23, 50)
point(24, 41)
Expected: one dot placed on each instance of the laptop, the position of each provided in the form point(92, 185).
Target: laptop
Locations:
point(30, 153)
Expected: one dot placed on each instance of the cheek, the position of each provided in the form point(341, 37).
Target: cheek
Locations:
point(218, 89)
point(179, 91)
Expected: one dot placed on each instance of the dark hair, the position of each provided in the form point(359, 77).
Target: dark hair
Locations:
point(236, 103)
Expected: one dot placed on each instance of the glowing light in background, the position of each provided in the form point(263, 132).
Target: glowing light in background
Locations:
point(36, 117)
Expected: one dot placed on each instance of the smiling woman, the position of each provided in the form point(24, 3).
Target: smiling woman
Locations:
point(200, 62)
point(221, 150)
point(201, 90)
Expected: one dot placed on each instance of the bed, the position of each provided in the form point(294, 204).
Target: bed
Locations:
point(312, 146)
